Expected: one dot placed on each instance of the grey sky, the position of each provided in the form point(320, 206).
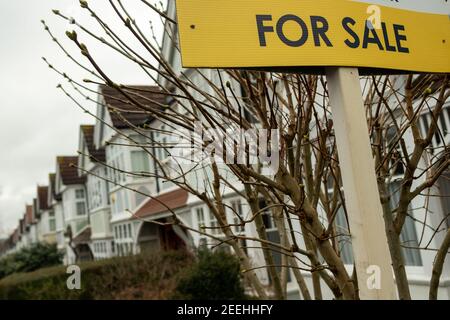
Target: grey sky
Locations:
point(38, 122)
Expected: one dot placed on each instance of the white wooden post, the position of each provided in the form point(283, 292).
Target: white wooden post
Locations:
point(365, 215)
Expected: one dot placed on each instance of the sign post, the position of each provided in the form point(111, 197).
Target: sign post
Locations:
point(360, 184)
point(331, 37)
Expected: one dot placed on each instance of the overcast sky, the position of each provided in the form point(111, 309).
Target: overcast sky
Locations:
point(38, 122)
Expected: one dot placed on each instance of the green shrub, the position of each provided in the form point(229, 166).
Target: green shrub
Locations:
point(152, 276)
point(214, 276)
point(29, 259)
point(7, 266)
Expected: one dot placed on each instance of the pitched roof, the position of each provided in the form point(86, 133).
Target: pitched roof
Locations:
point(28, 217)
point(83, 237)
point(42, 196)
point(94, 153)
point(168, 201)
point(68, 170)
point(123, 111)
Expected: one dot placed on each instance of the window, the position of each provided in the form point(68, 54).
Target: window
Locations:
point(112, 171)
point(425, 124)
point(52, 225)
point(236, 207)
point(408, 236)
point(200, 219)
point(342, 234)
point(443, 124)
point(201, 227)
point(161, 142)
point(165, 152)
point(140, 161)
point(125, 200)
point(115, 160)
point(444, 186)
point(81, 209)
point(79, 194)
point(51, 222)
point(343, 237)
point(272, 235)
point(80, 204)
point(119, 203)
point(95, 191)
point(213, 223)
point(396, 161)
point(268, 221)
point(122, 166)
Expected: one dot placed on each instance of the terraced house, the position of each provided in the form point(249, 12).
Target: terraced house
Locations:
point(46, 220)
point(54, 201)
point(91, 165)
point(71, 188)
point(121, 129)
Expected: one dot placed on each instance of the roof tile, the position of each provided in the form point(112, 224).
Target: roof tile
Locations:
point(68, 170)
point(168, 201)
point(97, 155)
point(42, 196)
point(123, 112)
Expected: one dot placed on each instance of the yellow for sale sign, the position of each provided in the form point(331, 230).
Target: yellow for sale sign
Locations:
point(406, 35)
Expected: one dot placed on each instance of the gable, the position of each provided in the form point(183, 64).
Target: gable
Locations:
point(103, 123)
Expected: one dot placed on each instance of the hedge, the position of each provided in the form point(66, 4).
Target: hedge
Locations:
point(35, 257)
point(152, 276)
